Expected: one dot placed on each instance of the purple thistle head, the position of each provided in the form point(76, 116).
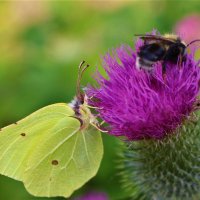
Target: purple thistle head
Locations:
point(93, 196)
point(139, 104)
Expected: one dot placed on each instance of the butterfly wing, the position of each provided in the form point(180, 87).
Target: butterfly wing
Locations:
point(69, 163)
point(49, 152)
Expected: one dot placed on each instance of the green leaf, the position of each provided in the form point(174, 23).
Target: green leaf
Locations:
point(50, 152)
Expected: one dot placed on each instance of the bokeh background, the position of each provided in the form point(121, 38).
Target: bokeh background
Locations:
point(42, 43)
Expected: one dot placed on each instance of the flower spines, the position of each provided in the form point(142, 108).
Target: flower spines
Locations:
point(164, 170)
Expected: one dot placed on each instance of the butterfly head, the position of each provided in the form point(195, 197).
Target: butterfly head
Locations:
point(80, 102)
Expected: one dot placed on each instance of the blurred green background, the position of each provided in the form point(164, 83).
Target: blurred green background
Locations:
point(41, 45)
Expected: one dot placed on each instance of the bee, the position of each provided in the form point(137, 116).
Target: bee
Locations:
point(166, 48)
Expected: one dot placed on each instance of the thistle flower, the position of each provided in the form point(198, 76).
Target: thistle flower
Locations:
point(139, 104)
point(160, 159)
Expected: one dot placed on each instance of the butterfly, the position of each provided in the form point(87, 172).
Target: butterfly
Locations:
point(55, 150)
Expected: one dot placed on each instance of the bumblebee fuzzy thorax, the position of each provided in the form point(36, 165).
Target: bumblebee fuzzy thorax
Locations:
point(175, 38)
point(168, 48)
point(171, 36)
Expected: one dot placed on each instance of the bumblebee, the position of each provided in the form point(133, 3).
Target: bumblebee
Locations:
point(166, 48)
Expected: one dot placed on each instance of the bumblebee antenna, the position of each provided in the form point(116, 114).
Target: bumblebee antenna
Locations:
point(198, 40)
point(81, 69)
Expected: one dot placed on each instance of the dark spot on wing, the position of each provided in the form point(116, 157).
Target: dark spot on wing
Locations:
point(15, 123)
point(23, 134)
point(50, 179)
point(54, 162)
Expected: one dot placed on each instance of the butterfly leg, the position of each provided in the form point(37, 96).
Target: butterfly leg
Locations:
point(98, 127)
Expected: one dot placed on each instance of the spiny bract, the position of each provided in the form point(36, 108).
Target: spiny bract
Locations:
point(164, 170)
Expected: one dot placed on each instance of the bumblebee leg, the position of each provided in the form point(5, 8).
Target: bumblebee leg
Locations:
point(164, 71)
point(180, 61)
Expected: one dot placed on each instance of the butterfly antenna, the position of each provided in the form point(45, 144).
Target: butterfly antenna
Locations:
point(198, 40)
point(81, 70)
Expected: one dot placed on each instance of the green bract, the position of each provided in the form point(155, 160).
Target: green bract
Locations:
point(50, 152)
point(167, 169)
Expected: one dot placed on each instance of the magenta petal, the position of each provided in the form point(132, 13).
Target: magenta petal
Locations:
point(138, 104)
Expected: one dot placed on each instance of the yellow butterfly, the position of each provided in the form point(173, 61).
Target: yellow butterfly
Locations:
point(51, 151)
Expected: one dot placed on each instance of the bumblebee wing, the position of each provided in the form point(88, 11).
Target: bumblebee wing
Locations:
point(152, 52)
point(156, 38)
